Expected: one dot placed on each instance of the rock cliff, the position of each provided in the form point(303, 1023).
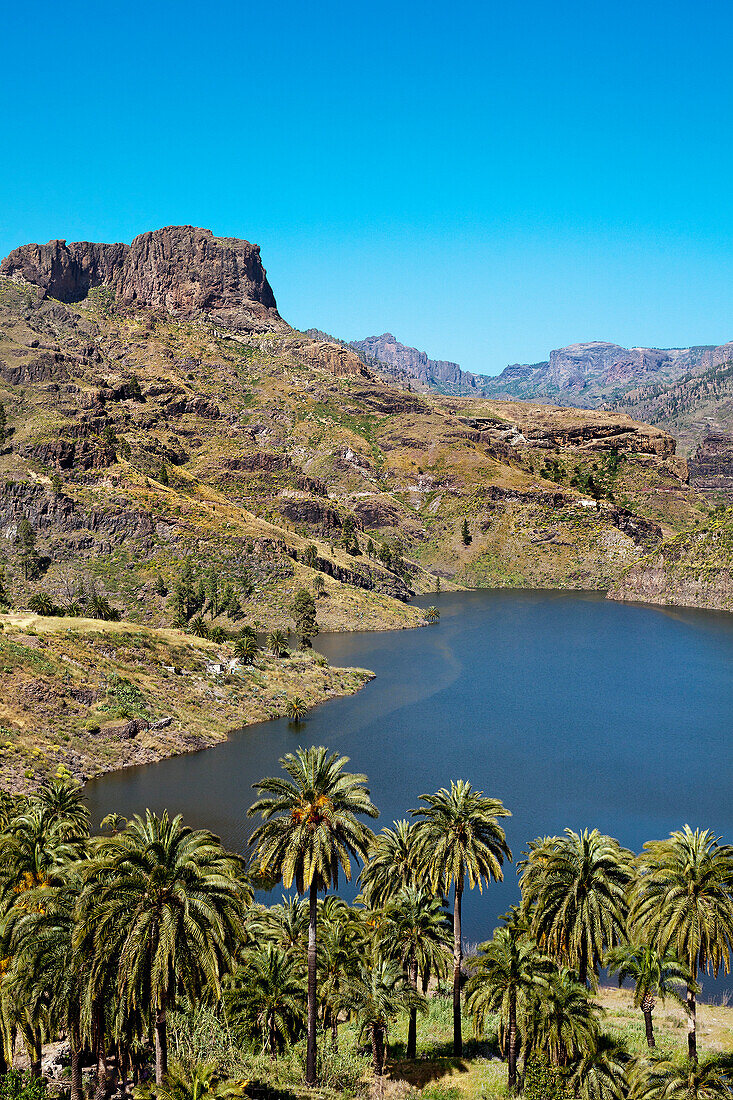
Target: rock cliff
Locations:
point(693, 569)
point(711, 467)
point(187, 272)
point(406, 363)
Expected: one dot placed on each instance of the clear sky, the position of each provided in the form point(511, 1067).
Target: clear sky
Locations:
point(485, 180)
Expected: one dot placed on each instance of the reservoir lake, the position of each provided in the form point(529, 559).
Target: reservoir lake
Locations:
point(572, 709)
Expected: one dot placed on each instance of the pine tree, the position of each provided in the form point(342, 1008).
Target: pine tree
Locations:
point(26, 540)
point(303, 610)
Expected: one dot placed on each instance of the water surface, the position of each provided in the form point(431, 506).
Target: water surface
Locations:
point(571, 709)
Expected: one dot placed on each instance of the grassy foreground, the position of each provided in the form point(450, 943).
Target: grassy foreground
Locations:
point(436, 1075)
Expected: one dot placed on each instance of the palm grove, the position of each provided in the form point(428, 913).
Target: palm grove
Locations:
point(106, 939)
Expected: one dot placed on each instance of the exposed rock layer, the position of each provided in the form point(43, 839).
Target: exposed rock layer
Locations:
point(711, 467)
point(180, 269)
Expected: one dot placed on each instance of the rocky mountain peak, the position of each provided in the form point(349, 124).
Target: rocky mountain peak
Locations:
point(182, 269)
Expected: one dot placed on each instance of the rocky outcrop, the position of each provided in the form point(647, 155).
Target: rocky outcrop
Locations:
point(552, 427)
point(183, 270)
point(711, 467)
point(66, 272)
point(52, 514)
point(314, 513)
point(693, 569)
point(334, 358)
point(189, 272)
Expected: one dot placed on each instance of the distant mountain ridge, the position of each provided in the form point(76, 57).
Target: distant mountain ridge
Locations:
point(594, 373)
point(404, 361)
point(687, 391)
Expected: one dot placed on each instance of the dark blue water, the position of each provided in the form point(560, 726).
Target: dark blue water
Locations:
point(573, 710)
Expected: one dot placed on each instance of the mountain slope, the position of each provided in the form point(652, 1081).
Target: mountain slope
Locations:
point(689, 408)
point(693, 569)
point(146, 437)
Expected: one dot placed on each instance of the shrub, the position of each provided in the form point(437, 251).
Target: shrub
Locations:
point(343, 1071)
point(125, 697)
point(16, 1085)
point(542, 1081)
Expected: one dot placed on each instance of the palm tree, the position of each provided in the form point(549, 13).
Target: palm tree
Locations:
point(682, 901)
point(392, 863)
point(376, 997)
point(432, 614)
point(247, 648)
point(35, 846)
point(45, 970)
point(61, 800)
point(310, 829)
point(509, 973)
point(459, 837)
point(600, 1072)
point(284, 925)
point(692, 1080)
point(414, 930)
point(566, 1025)
point(574, 896)
point(265, 997)
point(197, 1082)
point(277, 643)
point(296, 709)
point(655, 976)
point(341, 947)
point(167, 899)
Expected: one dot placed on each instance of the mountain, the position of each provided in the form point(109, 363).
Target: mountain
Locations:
point(597, 373)
point(686, 391)
point(181, 269)
point(405, 364)
point(689, 408)
point(159, 408)
point(172, 452)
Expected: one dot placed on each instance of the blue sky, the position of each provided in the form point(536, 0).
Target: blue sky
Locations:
point(487, 181)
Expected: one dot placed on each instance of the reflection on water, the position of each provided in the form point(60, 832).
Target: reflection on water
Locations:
point(570, 708)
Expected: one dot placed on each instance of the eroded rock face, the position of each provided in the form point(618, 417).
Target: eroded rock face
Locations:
point(181, 269)
point(711, 467)
point(66, 272)
point(189, 272)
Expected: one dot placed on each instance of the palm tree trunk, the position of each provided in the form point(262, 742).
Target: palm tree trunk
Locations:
point(378, 1052)
point(36, 1053)
point(457, 961)
point(161, 1043)
point(123, 1061)
point(100, 1091)
point(647, 1007)
point(691, 1025)
point(583, 963)
point(75, 1047)
point(512, 1041)
point(335, 1031)
point(411, 1051)
point(310, 1065)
